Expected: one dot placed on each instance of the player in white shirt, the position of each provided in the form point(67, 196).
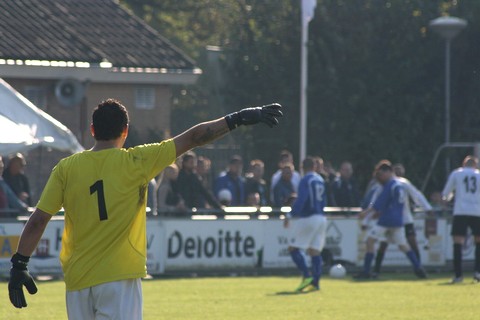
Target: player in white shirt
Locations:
point(464, 183)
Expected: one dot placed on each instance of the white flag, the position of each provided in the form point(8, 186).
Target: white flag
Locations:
point(308, 10)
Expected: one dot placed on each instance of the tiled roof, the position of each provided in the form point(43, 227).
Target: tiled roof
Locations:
point(83, 30)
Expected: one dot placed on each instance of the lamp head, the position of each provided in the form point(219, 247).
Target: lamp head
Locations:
point(448, 27)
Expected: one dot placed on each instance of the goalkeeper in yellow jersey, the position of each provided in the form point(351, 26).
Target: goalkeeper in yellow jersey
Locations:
point(103, 193)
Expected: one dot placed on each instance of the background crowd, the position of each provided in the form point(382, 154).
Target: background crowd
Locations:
point(15, 194)
point(190, 184)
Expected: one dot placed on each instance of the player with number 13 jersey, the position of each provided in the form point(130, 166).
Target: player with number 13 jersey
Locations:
point(465, 183)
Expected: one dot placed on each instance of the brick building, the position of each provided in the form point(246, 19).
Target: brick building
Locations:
point(67, 55)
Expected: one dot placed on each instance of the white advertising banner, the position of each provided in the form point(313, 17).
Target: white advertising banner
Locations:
point(156, 254)
point(218, 243)
point(45, 258)
point(342, 235)
point(341, 242)
point(9, 236)
point(174, 244)
point(275, 241)
point(431, 238)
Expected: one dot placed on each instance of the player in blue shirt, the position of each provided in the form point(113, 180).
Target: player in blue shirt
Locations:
point(389, 208)
point(308, 226)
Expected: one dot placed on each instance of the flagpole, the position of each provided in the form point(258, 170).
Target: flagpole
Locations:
point(307, 13)
point(303, 91)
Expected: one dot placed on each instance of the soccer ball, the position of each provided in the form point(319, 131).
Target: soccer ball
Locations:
point(338, 271)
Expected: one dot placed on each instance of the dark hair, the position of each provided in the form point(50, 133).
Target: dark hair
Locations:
point(470, 161)
point(235, 159)
point(17, 157)
point(308, 164)
point(284, 155)
point(257, 162)
point(109, 119)
point(384, 165)
point(188, 155)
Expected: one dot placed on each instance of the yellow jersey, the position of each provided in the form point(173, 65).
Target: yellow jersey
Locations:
point(103, 194)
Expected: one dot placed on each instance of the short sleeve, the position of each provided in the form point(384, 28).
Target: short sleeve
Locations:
point(154, 157)
point(51, 200)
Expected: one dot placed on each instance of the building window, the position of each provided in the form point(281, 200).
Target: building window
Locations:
point(145, 98)
point(36, 95)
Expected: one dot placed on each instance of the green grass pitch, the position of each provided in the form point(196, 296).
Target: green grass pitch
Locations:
point(395, 296)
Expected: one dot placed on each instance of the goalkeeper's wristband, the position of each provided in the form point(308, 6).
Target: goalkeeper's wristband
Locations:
point(19, 261)
point(233, 120)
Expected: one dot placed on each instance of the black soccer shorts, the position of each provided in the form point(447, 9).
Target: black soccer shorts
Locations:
point(462, 222)
point(409, 230)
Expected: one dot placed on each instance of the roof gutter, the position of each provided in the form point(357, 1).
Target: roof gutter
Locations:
point(104, 72)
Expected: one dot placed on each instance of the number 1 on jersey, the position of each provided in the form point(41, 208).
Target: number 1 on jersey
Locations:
point(102, 208)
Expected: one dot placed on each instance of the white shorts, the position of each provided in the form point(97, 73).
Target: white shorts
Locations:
point(111, 300)
point(309, 232)
point(391, 235)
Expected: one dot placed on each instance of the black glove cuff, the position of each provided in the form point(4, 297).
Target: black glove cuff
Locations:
point(19, 262)
point(233, 120)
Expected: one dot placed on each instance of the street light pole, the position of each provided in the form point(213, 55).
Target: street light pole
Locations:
point(447, 90)
point(448, 28)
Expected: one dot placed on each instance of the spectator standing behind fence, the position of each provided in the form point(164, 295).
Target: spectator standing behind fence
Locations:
point(15, 177)
point(285, 157)
point(203, 169)
point(189, 186)
point(168, 198)
point(10, 205)
point(344, 188)
point(233, 181)
point(255, 184)
point(253, 199)
point(309, 226)
point(464, 183)
point(103, 193)
point(283, 191)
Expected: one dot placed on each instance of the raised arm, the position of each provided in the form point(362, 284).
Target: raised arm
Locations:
point(200, 134)
point(209, 131)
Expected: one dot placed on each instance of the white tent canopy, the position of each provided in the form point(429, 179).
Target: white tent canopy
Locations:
point(23, 126)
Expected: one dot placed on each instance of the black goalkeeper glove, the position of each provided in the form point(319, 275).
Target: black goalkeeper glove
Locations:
point(267, 114)
point(20, 277)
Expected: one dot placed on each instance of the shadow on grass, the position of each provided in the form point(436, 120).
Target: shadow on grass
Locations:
point(291, 293)
point(464, 283)
point(286, 293)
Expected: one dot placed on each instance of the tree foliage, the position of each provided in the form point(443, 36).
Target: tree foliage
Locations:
point(376, 75)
